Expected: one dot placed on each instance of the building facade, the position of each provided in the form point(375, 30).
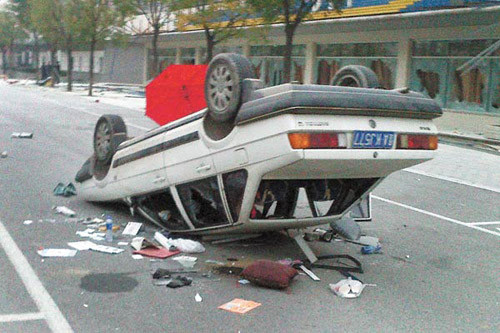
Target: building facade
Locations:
point(429, 46)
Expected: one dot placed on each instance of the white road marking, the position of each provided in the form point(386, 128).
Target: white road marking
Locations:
point(485, 223)
point(453, 180)
point(34, 286)
point(21, 317)
point(468, 225)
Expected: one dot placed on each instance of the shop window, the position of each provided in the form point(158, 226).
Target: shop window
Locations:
point(203, 203)
point(429, 76)
point(469, 87)
point(234, 186)
point(384, 68)
point(293, 199)
point(161, 207)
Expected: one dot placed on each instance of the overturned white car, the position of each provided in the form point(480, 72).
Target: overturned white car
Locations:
point(257, 159)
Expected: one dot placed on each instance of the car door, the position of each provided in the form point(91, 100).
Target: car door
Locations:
point(187, 158)
point(141, 168)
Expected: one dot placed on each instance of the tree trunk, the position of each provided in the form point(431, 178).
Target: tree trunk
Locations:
point(156, 32)
point(36, 51)
point(210, 45)
point(91, 66)
point(53, 62)
point(287, 56)
point(4, 62)
point(70, 67)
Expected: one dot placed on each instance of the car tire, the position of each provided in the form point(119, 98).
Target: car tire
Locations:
point(223, 85)
point(356, 76)
point(109, 132)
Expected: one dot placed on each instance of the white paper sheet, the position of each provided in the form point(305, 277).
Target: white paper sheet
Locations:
point(132, 228)
point(46, 253)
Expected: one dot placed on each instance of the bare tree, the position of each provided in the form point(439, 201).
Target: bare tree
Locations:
point(157, 15)
point(291, 13)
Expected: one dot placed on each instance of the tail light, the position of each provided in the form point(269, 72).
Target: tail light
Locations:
point(417, 141)
point(317, 140)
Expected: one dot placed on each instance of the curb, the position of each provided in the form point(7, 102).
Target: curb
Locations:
point(462, 137)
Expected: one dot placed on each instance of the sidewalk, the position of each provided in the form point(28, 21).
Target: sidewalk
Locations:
point(473, 127)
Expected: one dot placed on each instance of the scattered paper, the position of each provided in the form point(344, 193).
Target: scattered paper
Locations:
point(28, 222)
point(198, 298)
point(243, 281)
point(97, 236)
point(46, 253)
point(105, 249)
point(122, 243)
point(81, 246)
point(137, 256)
point(186, 261)
point(65, 211)
point(240, 306)
point(132, 228)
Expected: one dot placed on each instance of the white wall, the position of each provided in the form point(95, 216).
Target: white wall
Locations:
point(81, 60)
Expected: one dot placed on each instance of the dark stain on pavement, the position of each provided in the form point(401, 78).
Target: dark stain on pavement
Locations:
point(108, 282)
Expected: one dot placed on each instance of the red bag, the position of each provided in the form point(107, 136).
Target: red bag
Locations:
point(269, 274)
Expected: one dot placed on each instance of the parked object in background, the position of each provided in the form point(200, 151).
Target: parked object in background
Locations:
point(4, 154)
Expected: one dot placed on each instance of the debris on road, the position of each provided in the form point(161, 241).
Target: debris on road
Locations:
point(27, 222)
point(154, 252)
point(184, 245)
point(105, 249)
point(139, 243)
point(97, 236)
point(22, 135)
point(309, 273)
point(347, 288)
point(64, 211)
point(4, 154)
point(216, 262)
point(369, 249)
point(243, 281)
point(132, 228)
point(180, 281)
point(240, 306)
point(186, 261)
point(270, 274)
point(81, 246)
point(48, 253)
point(198, 298)
point(122, 243)
point(65, 190)
point(137, 256)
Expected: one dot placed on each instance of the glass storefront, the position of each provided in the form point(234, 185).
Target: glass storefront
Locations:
point(442, 70)
point(269, 65)
point(166, 57)
point(380, 57)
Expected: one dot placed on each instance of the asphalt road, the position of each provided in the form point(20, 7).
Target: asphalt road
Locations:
point(439, 270)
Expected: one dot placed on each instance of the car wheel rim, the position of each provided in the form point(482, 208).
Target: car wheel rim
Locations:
point(220, 88)
point(103, 141)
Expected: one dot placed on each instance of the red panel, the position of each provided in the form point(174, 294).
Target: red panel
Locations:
point(177, 92)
